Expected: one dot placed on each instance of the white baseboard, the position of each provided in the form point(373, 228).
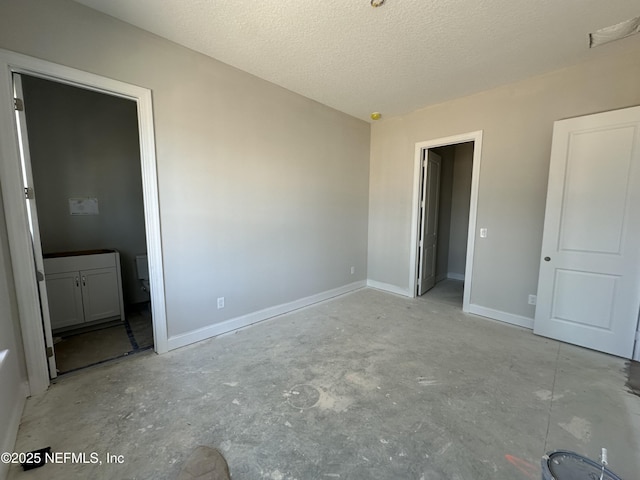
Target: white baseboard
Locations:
point(8, 440)
point(387, 287)
point(255, 317)
point(455, 276)
point(511, 318)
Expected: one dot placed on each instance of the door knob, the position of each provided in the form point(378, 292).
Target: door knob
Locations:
point(547, 259)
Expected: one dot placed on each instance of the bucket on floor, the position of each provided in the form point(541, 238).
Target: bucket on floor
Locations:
point(564, 465)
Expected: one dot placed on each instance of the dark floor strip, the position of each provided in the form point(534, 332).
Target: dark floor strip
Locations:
point(132, 339)
point(107, 360)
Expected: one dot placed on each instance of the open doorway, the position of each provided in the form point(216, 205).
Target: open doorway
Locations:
point(29, 276)
point(81, 158)
point(446, 193)
point(445, 201)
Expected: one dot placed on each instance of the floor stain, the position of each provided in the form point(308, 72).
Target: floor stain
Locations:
point(546, 395)
point(579, 428)
point(633, 377)
point(528, 469)
point(303, 396)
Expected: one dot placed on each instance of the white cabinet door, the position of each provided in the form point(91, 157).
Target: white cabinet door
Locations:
point(100, 293)
point(65, 299)
point(589, 283)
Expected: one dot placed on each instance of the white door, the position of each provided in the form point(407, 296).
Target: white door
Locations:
point(25, 158)
point(429, 204)
point(589, 284)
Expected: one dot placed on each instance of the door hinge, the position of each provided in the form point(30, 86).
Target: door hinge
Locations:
point(49, 352)
point(29, 193)
point(18, 104)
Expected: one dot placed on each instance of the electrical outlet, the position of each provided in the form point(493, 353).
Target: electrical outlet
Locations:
point(353, 270)
point(483, 233)
point(220, 302)
point(533, 299)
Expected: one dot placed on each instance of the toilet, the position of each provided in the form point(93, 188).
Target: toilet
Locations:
point(142, 268)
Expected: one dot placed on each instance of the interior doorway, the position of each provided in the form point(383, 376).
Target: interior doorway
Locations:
point(26, 276)
point(446, 192)
point(445, 204)
point(80, 155)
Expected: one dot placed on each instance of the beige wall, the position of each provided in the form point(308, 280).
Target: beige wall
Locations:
point(85, 144)
point(517, 121)
point(263, 193)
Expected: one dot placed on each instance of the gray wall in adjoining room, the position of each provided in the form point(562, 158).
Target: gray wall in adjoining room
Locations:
point(444, 211)
point(453, 209)
point(85, 144)
point(460, 198)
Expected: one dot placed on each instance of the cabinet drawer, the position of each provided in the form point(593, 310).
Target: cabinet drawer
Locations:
point(79, 262)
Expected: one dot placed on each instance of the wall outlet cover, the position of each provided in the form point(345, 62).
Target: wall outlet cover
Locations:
point(220, 302)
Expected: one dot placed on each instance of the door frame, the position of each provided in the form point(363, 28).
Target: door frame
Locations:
point(32, 214)
point(16, 212)
point(420, 148)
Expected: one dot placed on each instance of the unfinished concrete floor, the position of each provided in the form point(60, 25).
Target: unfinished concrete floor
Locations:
point(366, 386)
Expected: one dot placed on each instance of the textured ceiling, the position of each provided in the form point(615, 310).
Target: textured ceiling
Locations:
point(394, 59)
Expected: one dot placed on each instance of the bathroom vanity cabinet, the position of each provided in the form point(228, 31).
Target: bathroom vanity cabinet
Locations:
point(83, 288)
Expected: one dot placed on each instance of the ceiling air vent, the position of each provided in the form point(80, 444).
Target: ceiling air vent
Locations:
point(614, 32)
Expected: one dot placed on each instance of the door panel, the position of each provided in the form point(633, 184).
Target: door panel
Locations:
point(596, 190)
point(100, 294)
point(584, 298)
point(429, 224)
point(589, 283)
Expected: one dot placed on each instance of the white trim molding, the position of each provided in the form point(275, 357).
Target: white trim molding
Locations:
point(420, 147)
point(16, 213)
point(501, 316)
point(387, 287)
point(259, 316)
